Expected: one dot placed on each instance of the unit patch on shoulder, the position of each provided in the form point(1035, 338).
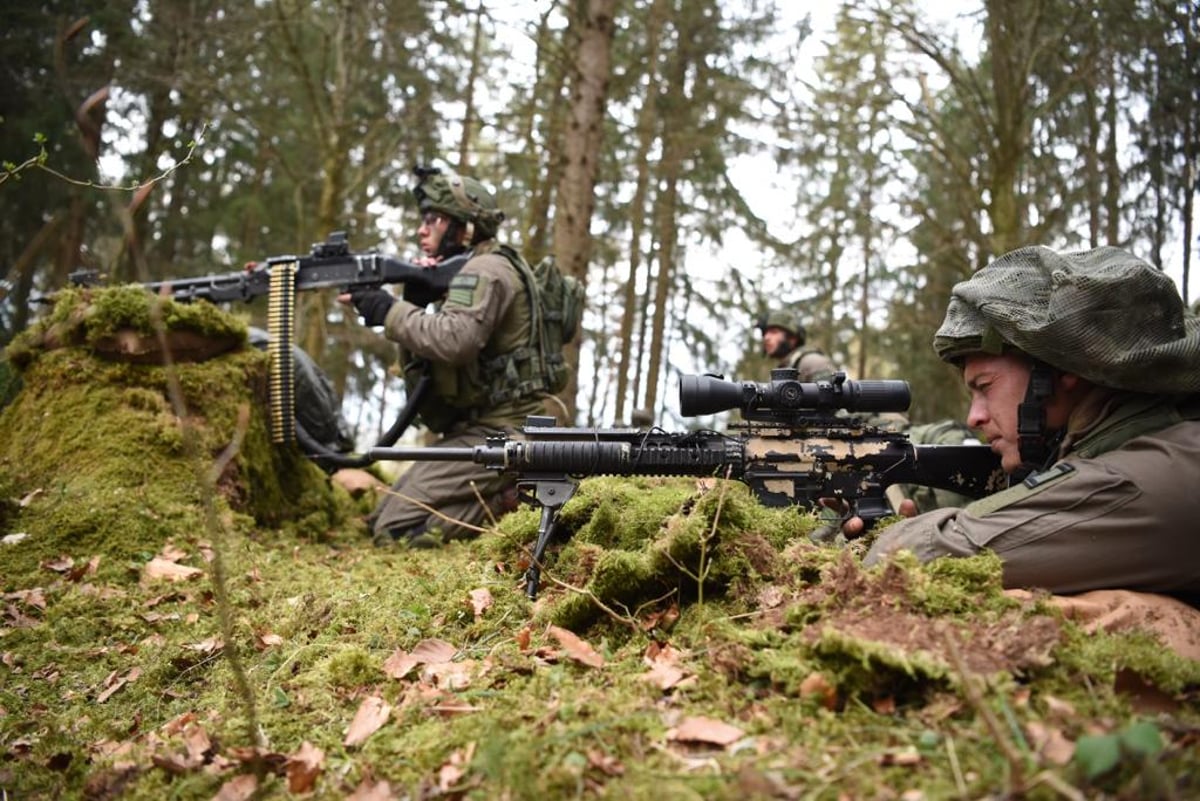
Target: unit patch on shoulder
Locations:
point(462, 290)
point(1030, 486)
point(1053, 474)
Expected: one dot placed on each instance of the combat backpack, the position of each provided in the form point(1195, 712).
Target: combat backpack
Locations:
point(556, 308)
point(561, 300)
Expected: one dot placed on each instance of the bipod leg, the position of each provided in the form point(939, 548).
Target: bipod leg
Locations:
point(550, 494)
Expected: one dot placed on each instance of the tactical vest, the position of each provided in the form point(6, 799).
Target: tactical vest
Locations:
point(507, 369)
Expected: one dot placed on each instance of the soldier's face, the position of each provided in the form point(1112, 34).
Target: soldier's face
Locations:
point(777, 342)
point(998, 385)
point(429, 235)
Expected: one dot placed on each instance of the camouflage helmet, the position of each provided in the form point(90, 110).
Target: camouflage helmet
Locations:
point(461, 198)
point(1102, 314)
point(782, 318)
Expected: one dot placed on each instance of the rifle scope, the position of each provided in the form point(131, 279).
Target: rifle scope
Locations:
point(783, 395)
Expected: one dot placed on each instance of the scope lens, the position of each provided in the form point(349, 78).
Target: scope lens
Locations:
point(706, 394)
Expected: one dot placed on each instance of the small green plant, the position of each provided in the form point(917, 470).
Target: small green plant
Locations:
point(1133, 749)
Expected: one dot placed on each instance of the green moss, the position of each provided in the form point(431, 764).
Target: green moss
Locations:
point(352, 667)
point(106, 464)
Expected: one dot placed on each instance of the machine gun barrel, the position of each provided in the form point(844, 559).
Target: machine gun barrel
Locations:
point(330, 265)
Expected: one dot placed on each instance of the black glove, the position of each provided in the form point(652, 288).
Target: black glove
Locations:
point(372, 304)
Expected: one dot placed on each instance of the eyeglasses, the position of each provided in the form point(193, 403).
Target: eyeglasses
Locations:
point(431, 218)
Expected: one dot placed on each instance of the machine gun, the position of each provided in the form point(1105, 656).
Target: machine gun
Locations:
point(796, 447)
point(330, 264)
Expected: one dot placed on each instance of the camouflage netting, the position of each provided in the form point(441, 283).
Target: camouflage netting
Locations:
point(1102, 314)
point(94, 458)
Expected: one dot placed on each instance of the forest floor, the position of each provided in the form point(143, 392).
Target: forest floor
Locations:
point(190, 614)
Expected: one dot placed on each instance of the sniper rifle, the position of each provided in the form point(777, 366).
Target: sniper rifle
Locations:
point(795, 447)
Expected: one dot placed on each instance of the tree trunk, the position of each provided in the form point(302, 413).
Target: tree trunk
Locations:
point(581, 148)
point(647, 126)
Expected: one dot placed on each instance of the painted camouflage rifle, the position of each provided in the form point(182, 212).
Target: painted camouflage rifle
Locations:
point(795, 447)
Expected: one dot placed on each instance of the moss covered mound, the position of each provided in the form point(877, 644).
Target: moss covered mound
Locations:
point(105, 451)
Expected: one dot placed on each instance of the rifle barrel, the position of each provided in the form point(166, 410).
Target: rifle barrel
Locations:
point(419, 454)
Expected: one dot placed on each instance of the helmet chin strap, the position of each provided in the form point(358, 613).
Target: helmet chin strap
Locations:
point(451, 244)
point(1038, 446)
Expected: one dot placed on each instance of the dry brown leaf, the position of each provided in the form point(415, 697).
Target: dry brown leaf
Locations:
point(705, 730)
point(197, 743)
point(664, 675)
point(817, 686)
point(905, 757)
point(175, 764)
point(372, 713)
point(400, 663)
point(177, 724)
point(1063, 710)
point(34, 597)
point(265, 639)
point(576, 648)
point(172, 553)
point(357, 482)
point(163, 569)
point(112, 683)
point(370, 790)
point(883, 706)
point(60, 565)
point(454, 768)
point(481, 601)
point(449, 675)
point(663, 620)
point(239, 788)
point(1049, 742)
point(303, 767)
point(770, 597)
point(207, 647)
point(606, 764)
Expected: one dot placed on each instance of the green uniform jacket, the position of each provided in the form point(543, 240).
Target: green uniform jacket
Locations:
point(810, 365)
point(485, 314)
point(1119, 510)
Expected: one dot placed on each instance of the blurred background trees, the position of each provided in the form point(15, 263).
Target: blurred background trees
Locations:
point(695, 162)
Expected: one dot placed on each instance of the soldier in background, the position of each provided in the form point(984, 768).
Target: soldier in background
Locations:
point(783, 338)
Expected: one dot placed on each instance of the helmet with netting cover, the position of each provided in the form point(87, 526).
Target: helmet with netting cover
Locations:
point(462, 198)
point(782, 318)
point(1102, 314)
